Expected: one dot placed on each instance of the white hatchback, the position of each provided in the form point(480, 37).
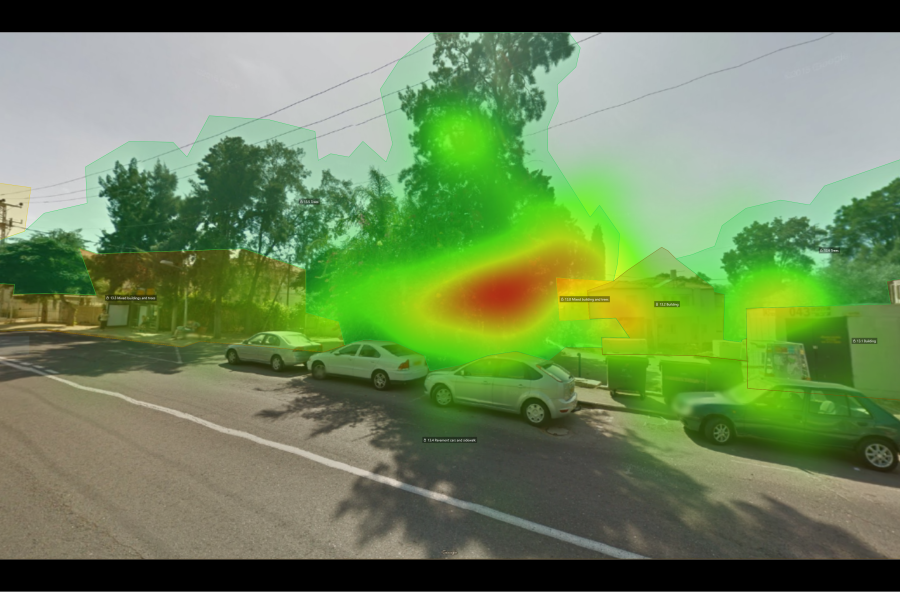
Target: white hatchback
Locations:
point(537, 389)
point(379, 361)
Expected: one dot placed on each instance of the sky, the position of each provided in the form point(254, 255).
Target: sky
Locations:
point(668, 170)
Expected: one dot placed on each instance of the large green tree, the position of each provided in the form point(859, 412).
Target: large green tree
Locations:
point(468, 180)
point(769, 247)
point(869, 228)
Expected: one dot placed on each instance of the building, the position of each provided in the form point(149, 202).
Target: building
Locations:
point(895, 291)
point(676, 315)
point(857, 346)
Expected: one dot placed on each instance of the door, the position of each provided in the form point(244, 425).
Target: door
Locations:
point(118, 315)
point(510, 382)
point(254, 349)
point(476, 386)
point(366, 361)
point(273, 346)
point(341, 362)
point(827, 347)
point(829, 421)
point(777, 414)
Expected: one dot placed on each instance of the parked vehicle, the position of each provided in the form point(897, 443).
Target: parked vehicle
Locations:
point(795, 411)
point(379, 361)
point(536, 388)
point(280, 349)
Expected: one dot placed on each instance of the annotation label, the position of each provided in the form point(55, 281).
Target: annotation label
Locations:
point(115, 298)
point(449, 440)
point(662, 304)
point(864, 340)
point(309, 201)
point(584, 298)
point(829, 250)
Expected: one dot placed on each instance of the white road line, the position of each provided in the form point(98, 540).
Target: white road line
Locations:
point(178, 354)
point(52, 371)
point(477, 508)
point(147, 357)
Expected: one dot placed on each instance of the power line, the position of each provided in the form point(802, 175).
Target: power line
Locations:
point(679, 85)
point(312, 139)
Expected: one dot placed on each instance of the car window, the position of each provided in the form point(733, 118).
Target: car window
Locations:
point(296, 340)
point(821, 403)
point(257, 340)
point(397, 350)
point(480, 368)
point(857, 409)
point(273, 340)
point(783, 399)
point(509, 369)
point(369, 352)
point(530, 374)
point(555, 371)
point(348, 350)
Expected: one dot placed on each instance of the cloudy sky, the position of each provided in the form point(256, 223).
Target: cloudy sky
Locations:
point(681, 163)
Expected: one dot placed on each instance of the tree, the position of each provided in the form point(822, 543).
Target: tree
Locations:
point(215, 214)
point(468, 180)
point(860, 279)
point(767, 247)
point(870, 227)
point(142, 206)
point(46, 265)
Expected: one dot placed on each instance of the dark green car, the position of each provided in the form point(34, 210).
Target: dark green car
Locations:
point(810, 413)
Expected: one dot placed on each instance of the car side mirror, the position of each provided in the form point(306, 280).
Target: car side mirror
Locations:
point(462, 373)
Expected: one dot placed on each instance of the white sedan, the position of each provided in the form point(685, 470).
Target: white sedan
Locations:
point(535, 388)
point(379, 361)
point(279, 349)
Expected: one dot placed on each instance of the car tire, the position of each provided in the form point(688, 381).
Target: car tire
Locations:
point(277, 363)
point(878, 454)
point(442, 395)
point(318, 370)
point(232, 357)
point(719, 431)
point(536, 413)
point(380, 380)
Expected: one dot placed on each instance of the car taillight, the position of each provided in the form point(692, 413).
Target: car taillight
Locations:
point(404, 366)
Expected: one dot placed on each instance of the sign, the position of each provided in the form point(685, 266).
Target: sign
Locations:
point(810, 311)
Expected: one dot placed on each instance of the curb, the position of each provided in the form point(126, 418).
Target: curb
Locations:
point(638, 411)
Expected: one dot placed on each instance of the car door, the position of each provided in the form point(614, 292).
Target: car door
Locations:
point(365, 363)
point(777, 414)
point(475, 385)
point(254, 348)
point(829, 421)
point(274, 345)
point(510, 381)
point(340, 363)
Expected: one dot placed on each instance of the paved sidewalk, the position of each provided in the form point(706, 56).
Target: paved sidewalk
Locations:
point(121, 333)
point(652, 404)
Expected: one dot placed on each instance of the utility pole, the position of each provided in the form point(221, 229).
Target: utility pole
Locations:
point(6, 225)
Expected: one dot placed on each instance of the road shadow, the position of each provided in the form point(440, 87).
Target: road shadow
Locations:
point(610, 487)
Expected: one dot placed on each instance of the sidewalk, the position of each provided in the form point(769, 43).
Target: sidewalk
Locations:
point(652, 404)
point(121, 333)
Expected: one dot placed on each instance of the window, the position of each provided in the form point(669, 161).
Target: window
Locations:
point(348, 350)
point(397, 350)
point(857, 410)
point(555, 371)
point(509, 369)
point(783, 399)
point(821, 403)
point(273, 340)
point(480, 368)
point(531, 374)
point(369, 352)
point(295, 339)
point(257, 340)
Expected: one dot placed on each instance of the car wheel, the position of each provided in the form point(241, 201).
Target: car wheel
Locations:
point(380, 380)
point(536, 413)
point(718, 431)
point(442, 395)
point(277, 363)
point(878, 454)
point(318, 370)
point(232, 357)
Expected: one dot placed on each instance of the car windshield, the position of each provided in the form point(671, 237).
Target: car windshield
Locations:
point(295, 339)
point(555, 371)
point(397, 350)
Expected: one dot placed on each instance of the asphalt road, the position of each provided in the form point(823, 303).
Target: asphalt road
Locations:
point(226, 461)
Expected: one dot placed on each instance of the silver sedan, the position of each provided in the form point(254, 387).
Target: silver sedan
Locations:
point(280, 349)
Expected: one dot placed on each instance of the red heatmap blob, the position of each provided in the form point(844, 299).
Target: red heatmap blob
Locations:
point(501, 294)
